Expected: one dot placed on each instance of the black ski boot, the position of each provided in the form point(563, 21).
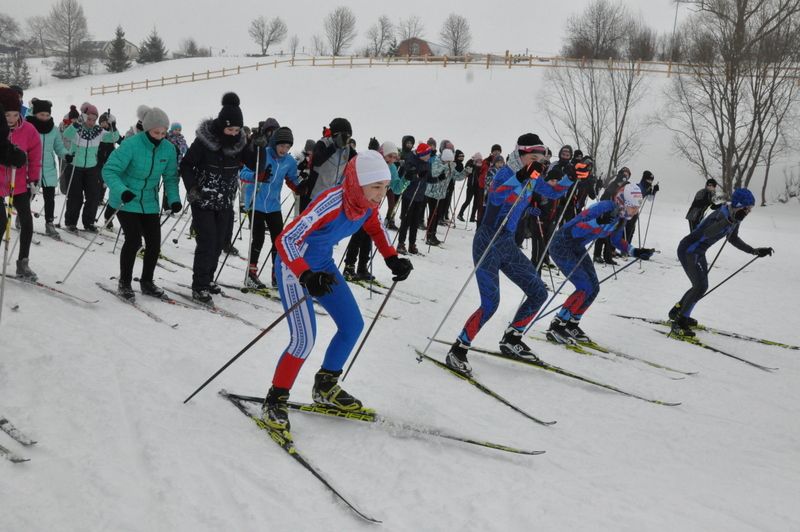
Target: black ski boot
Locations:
point(558, 332)
point(573, 328)
point(364, 275)
point(24, 272)
point(513, 346)
point(203, 296)
point(675, 314)
point(149, 288)
point(274, 412)
point(457, 358)
point(349, 272)
point(327, 392)
point(214, 288)
point(125, 291)
point(682, 327)
point(252, 280)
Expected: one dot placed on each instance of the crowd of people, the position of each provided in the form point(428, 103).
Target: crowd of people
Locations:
point(338, 192)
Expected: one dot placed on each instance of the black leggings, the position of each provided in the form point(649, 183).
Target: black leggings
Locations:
point(696, 269)
point(49, 196)
point(22, 204)
point(411, 212)
point(263, 221)
point(85, 182)
point(359, 247)
point(471, 195)
point(135, 226)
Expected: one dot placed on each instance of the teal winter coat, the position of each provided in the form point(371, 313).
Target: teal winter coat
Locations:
point(51, 144)
point(138, 165)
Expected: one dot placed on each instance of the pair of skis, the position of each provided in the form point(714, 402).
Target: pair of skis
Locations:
point(17, 435)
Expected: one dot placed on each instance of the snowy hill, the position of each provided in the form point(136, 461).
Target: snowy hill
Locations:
point(101, 386)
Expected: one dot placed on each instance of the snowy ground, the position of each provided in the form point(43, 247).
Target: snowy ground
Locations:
point(101, 388)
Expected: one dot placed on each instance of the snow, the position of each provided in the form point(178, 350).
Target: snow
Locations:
point(101, 387)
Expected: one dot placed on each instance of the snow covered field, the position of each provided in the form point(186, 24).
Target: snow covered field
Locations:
point(101, 387)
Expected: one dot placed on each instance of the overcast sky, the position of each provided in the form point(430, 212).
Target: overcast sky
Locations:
point(497, 25)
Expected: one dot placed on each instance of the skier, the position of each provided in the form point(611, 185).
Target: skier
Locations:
point(398, 184)
point(443, 169)
point(26, 183)
point(486, 164)
point(508, 198)
point(471, 171)
point(603, 253)
point(10, 155)
point(605, 219)
point(648, 189)
point(416, 170)
point(305, 267)
point(133, 174)
point(85, 138)
point(276, 165)
point(176, 138)
point(702, 201)
point(210, 172)
point(722, 223)
point(330, 157)
point(42, 120)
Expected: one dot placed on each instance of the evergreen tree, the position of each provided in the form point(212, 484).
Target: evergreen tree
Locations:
point(152, 49)
point(117, 59)
point(391, 50)
point(21, 73)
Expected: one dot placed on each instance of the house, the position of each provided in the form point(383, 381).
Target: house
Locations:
point(416, 47)
point(101, 49)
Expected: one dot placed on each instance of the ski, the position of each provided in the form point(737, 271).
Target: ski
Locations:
point(373, 417)
point(566, 373)
point(699, 343)
point(140, 255)
point(729, 334)
point(212, 308)
point(482, 388)
point(266, 293)
point(63, 241)
point(285, 442)
point(54, 290)
point(153, 316)
point(8, 454)
point(379, 288)
point(14, 432)
point(232, 298)
point(366, 286)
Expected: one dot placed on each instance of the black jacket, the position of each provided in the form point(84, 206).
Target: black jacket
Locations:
point(702, 201)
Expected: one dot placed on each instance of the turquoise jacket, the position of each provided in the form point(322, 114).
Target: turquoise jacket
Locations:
point(138, 165)
point(51, 144)
point(398, 185)
point(85, 141)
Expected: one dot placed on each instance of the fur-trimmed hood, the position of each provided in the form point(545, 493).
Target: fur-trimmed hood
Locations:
point(207, 136)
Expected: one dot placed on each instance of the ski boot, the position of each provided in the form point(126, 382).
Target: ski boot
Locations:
point(681, 327)
point(431, 240)
point(599, 260)
point(50, 230)
point(512, 345)
point(401, 249)
point(349, 272)
point(214, 288)
point(231, 250)
point(460, 217)
point(457, 358)
point(612, 262)
point(24, 273)
point(274, 412)
point(149, 288)
point(327, 392)
point(364, 275)
point(558, 332)
point(391, 225)
point(413, 249)
point(91, 228)
point(71, 229)
point(574, 330)
point(675, 314)
point(202, 295)
point(252, 280)
point(125, 291)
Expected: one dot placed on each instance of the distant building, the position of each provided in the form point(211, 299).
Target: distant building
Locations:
point(417, 47)
point(101, 49)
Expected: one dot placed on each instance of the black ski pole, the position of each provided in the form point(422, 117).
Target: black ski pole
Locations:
point(649, 216)
point(272, 247)
point(374, 321)
point(731, 275)
point(116, 240)
point(64, 280)
point(720, 251)
point(248, 346)
point(228, 252)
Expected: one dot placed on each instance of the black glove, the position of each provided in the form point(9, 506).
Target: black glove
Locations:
point(373, 144)
point(127, 196)
point(525, 172)
point(69, 157)
point(571, 172)
point(643, 253)
point(655, 189)
point(763, 252)
point(260, 140)
point(318, 284)
point(16, 157)
point(400, 267)
point(459, 166)
point(715, 206)
point(176, 207)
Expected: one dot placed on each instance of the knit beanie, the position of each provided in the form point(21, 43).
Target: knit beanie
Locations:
point(283, 135)
point(496, 147)
point(270, 124)
point(448, 156)
point(388, 147)
point(444, 144)
point(9, 99)
point(371, 168)
point(41, 106)
point(647, 175)
point(175, 125)
point(341, 125)
point(423, 150)
point(89, 109)
point(310, 143)
point(230, 115)
point(152, 117)
point(477, 157)
point(73, 113)
point(711, 183)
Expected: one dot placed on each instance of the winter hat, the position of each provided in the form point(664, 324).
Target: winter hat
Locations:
point(631, 195)
point(73, 112)
point(742, 197)
point(448, 156)
point(152, 117)
point(309, 147)
point(712, 182)
point(230, 115)
point(647, 175)
point(498, 159)
point(89, 109)
point(9, 99)
point(459, 155)
point(371, 168)
point(443, 145)
point(423, 150)
point(388, 147)
point(341, 125)
point(41, 106)
point(529, 143)
point(105, 117)
point(175, 125)
point(568, 148)
point(577, 154)
point(374, 144)
point(283, 135)
point(477, 157)
point(496, 147)
point(269, 124)
point(17, 89)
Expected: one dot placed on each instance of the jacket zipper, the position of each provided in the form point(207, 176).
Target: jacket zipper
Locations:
point(149, 175)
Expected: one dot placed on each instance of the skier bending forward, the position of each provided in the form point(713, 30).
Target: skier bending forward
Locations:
point(305, 267)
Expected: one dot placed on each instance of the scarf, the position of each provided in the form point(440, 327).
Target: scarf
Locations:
point(42, 127)
point(354, 201)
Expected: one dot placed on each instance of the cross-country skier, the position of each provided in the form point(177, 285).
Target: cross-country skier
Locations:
point(722, 223)
point(568, 250)
point(508, 198)
point(305, 267)
point(702, 201)
point(42, 120)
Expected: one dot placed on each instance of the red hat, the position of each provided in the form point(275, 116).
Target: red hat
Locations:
point(423, 150)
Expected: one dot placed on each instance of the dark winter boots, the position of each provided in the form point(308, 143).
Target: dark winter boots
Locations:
point(252, 280)
point(24, 272)
point(202, 295)
point(149, 288)
point(513, 346)
point(274, 412)
point(457, 358)
point(328, 392)
point(681, 327)
point(558, 332)
point(675, 314)
point(574, 330)
point(125, 291)
point(349, 272)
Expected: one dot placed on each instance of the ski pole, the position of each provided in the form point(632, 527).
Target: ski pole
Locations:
point(649, 216)
point(66, 196)
point(272, 247)
point(7, 235)
point(720, 250)
point(731, 275)
point(116, 240)
point(374, 321)
point(248, 346)
point(183, 211)
point(97, 234)
point(253, 197)
point(453, 212)
point(183, 229)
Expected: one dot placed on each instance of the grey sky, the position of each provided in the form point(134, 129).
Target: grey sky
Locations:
point(497, 25)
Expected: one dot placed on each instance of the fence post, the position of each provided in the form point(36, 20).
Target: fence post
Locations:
point(530, 61)
point(408, 58)
point(333, 60)
point(176, 79)
point(118, 91)
point(669, 69)
point(208, 73)
point(275, 65)
point(370, 61)
point(292, 61)
point(351, 61)
point(445, 61)
point(146, 84)
point(487, 61)
point(192, 76)
point(238, 69)
point(466, 60)
point(313, 60)
point(131, 86)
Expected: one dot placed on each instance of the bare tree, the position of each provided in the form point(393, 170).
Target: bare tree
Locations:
point(642, 43)
point(68, 30)
point(380, 36)
point(318, 45)
point(728, 111)
point(294, 44)
point(340, 29)
point(37, 29)
point(9, 28)
point(456, 35)
point(410, 28)
point(599, 32)
point(266, 32)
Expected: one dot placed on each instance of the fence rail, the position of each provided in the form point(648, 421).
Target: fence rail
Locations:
point(483, 61)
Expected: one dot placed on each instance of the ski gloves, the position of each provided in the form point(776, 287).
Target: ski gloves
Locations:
point(527, 172)
point(763, 252)
point(34, 187)
point(127, 196)
point(401, 268)
point(260, 140)
point(318, 284)
point(176, 207)
point(264, 175)
point(15, 156)
point(643, 253)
